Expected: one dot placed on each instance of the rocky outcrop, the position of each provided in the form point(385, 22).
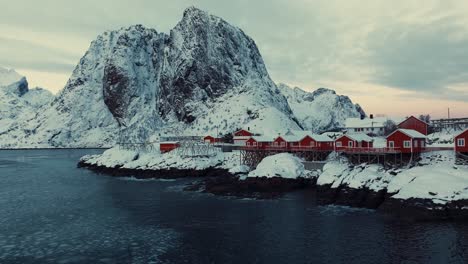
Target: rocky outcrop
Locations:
point(320, 110)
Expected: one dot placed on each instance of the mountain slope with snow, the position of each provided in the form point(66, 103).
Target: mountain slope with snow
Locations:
point(320, 110)
point(18, 102)
point(205, 76)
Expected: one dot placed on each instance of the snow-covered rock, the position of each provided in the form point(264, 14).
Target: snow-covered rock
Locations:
point(18, 104)
point(283, 165)
point(154, 160)
point(436, 179)
point(320, 110)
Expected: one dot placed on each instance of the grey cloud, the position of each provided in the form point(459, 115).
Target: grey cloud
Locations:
point(425, 58)
point(23, 54)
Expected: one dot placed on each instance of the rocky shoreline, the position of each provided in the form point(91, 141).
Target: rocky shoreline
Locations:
point(219, 181)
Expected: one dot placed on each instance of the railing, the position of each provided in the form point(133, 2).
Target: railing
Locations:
point(368, 150)
point(285, 148)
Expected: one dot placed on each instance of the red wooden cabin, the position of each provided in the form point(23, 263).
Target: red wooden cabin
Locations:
point(241, 136)
point(415, 124)
point(286, 142)
point(461, 142)
point(212, 140)
point(168, 146)
point(258, 142)
point(317, 142)
point(406, 141)
point(351, 141)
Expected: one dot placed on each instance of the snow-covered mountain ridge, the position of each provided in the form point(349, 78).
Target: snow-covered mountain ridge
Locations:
point(320, 110)
point(205, 76)
point(18, 102)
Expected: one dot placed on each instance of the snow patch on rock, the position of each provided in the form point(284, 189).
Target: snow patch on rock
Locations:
point(284, 165)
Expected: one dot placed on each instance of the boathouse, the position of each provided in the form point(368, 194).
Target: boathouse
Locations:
point(168, 146)
point(258, 142)
point(286, 141)
point(461, 142)
point(415, 124)
point(350, 141)
point(316, 142)
point(241, 136)
point(406, 141)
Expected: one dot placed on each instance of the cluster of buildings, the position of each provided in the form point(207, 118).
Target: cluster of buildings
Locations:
point(360, 135)
point(409, 137)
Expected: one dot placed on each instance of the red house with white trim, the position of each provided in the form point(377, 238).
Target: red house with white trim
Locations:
point(415, 124)
point(317, 142)
point(461, 142)
point(350, 141)
point(258, 142)
point(286, 142)
point(406, 141)
point(168, 146)
point(241, 136)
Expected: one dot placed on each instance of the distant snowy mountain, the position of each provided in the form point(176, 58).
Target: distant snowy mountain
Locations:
point(321, 109)
point(18, 103)
point(205, 76)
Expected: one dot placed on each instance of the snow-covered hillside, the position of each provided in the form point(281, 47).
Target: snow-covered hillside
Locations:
point(320, 110)
point(18, 103)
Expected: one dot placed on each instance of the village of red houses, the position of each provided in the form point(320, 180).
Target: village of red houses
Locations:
point(365, 135)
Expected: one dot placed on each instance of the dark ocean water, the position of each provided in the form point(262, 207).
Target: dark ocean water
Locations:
point(52, 212)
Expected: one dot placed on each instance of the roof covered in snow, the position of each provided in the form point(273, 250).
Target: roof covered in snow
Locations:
point(411, 133)
point(262, 139)
point(321, 138)
point(359, 137)
point(292, 138)
point(366, 122)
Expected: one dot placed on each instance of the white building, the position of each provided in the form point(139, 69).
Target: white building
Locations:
point(368, 125)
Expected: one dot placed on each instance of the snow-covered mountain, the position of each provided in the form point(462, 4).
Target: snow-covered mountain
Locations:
point(18, 102)
point(321, 109)
point(205, 76)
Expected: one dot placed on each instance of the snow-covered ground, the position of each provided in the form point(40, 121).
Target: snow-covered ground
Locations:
point(443, 138)
point(154, 160)
point(436, 178)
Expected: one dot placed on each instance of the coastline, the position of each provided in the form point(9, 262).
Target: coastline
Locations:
point(220, 181)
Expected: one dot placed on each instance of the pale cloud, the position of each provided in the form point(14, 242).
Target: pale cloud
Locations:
point(372, 50)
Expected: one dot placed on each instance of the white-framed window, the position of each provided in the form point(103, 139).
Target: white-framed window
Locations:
point(391, 144)
point(350, 144)
point(255, 144)
point(248, 143)
point(423, 143)
point(338, 144)
point(461, 142)
point(275, 144)
point(407, 144)
point(312, 144)
point(415, 143)
point(283, 144)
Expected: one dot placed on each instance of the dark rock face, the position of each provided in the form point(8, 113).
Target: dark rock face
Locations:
point(260, 187)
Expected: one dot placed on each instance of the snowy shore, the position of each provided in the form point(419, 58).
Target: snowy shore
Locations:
point(434, 188)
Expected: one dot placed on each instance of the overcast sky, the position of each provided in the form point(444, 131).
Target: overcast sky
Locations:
point(392, 57)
